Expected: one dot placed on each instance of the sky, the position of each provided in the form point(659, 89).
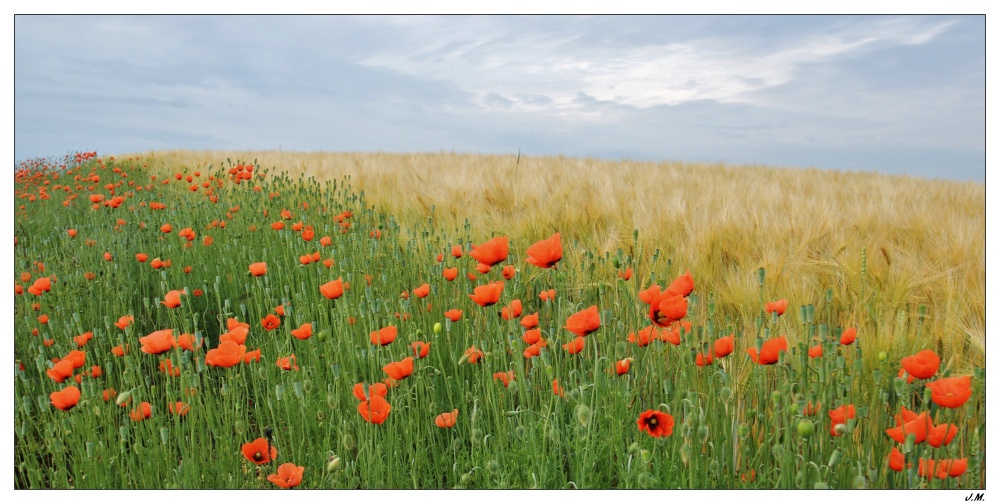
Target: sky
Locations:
point(894, 94)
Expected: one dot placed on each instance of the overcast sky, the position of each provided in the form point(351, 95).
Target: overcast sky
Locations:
point(890, 94)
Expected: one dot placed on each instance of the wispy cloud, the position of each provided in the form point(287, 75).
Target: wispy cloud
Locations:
point(501, 60)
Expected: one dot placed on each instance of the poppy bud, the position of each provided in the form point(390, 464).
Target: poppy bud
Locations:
point(860, 483)
point(437, 328)
point(333, 464)
point(806, 428)
point(743, 430)
point(834, 457)
point(882, 356)
point(348, 442)
point(703, 433)
point(633, 449)
point(646, 455)
point(467, 477)
point(583, 414)
point(686, 453)
point(123, 398)
point(777, 451)
point(493, 466)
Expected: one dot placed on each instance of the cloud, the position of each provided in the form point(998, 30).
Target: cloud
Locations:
point(488, 58)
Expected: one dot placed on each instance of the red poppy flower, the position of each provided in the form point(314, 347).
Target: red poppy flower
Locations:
point(456, 251)
point(622, 366)
point(454, 314)
point(508, 272)
point(289, 475)
point(124, 321)
point(144, 411)
point(625, 275)
point(951, 392)
point(682, 285)
point(776, 306)
point(483, 268)
point(535, 349)
point(849, 335)
point(158, 342)
point(530, 321)
point(169, 369)
point(227, 354)
point(420, 349)
point(487, 295)
point(504, 377)
point(166, 228)
point(384, 336)
point(547, 295)
point(237, 335)
point(584, 322)
point(545, 253)
point(66, 398)
point(303, 332)
point(511, 311)
point(473, 355)
point(43, 319)
point(656, 423)
point(703, 360)
point(923, 364)
point(375, 389)
point(83, 338)
point(896, 460)
point(259, 451)
point(422, 291)
point(251, 356)
point(446, 420)
point(839, 416)
point(172, 299)
point(450, 273)
point(374, 410)
point(532, 336)
point(769, 351)
point(575, 346)
point(186, 341)
point(816, 351)
point(120, 350)
point(558, 389)
point(142, 257)
point(258, 269)
point(179, 408)
point(400, 369)
point(667, 308)
point(941, 435)
point(647, 335)
point(810, 410)
point(492, 252)
point(332, 289)
point(62, 370)
point(288, 363)
point(270, 322)
point(724, 346)
point(911, 423)
point(280, 310)
point(71, 233)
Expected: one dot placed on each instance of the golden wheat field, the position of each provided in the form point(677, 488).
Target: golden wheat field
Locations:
point(888, 246)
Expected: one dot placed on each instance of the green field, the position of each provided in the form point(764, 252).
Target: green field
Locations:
point(649, 367)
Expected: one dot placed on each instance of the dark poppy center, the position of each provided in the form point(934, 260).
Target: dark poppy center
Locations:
point(651, 421)
point(258, 456)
